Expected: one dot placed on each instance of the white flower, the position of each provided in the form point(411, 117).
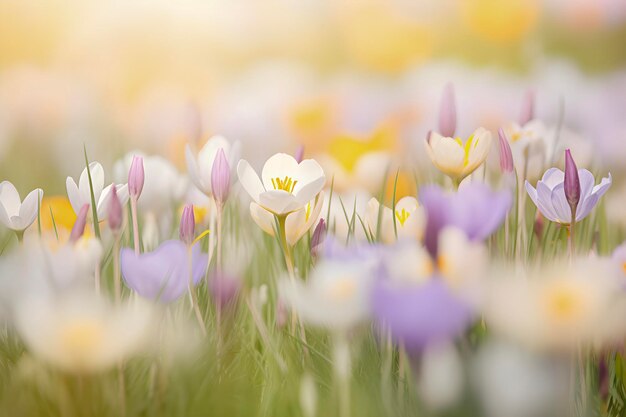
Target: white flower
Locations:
point(15, 213)
point(200, 168)
point(287, 185)
point(80, 194)
point(410, 219)
point(440, 380)
point(81, 333)
point(455, 158)
point(297, 223)
point(336, 295)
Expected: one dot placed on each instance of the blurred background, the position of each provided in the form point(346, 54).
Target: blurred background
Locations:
point(339, 77)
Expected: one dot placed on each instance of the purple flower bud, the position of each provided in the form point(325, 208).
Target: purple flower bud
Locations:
point(506, 157)
point(116, 212)
point(187, 225)
point(224, 289)
point(572, 182)
point(299, 154)
point(136, 177)
point(447, 112)
point(528, 108)
point(79, 225)
point(319, 234)
point(220, 177)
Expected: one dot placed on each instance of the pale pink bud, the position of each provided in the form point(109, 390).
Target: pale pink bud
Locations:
point(187, 228)
point(571, 182)
point(79, 225)
point(220, 177)
point(319, 234)
point(136, 177)
point(506, 157)
point(224, 289)
point(528, 108)
point(116, 213)
point(447, 112)
point(299, 154)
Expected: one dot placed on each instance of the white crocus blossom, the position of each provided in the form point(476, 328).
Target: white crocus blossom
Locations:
point(200, 167)
point(410, 219)
point(286, 185)
point(297, 223)
point(336, 295)
point(80, 194)
point(17, 214)
point(458, 159)
point(80, 333)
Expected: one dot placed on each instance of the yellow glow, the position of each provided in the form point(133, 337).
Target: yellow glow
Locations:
point(64, 216)
point(564, 302)
point(405, 186)
point(501, 21)
point(80, 337)
point(343, 288)
point(347, 150)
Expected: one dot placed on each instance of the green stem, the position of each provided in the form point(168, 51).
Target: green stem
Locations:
point(133, 209)
point(193, 295)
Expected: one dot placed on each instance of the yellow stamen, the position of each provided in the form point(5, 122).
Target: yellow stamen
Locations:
point(402, 216)
point(285, 184)
point(307, 213)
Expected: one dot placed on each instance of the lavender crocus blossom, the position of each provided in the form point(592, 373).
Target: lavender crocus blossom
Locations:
point(163, 274)
point(419, 315)
point(474, 208)
point(549, 196)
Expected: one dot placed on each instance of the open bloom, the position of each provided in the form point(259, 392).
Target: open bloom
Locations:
point(201, 167)
point(80, 194)
point(81, 333)
point(286, 185)
point(163, 274)
point(297, 223)
point(458, 159)
point(549, 196)
point(15, 213)
point(410, 219)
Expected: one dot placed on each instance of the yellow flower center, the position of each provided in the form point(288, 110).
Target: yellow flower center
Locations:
point(347, 150)
point(564, 303)
point(82, 336)
point(343, 288)
point(443, 264)
point(285, 184)
point(624, 267)
point(402, 216)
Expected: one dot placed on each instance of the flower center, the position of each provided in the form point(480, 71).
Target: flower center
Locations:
point(624, 267)
point(343, 288)
point(564, 304)
point(81, 336)
point(285, 184)
point(402, 216)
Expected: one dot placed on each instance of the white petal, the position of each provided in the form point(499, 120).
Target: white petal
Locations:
point(97, 180)
point(279, 202)
point(310, 190)
point(10, 198)
point(446, 154)
point(306, 172)
point(280, 165)
point(30, 207)
point(249, 179)
point(552, 177)
point(194, 173)
point(74, 195)
point(263, 218)
point(560, 204)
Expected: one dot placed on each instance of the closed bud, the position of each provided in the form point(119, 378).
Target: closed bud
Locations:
point(528, 108)
point(136, 177)
point(319, 234)
point(79, 225)
point(116, 212)
point(447, 112)
point(220, 177)
point(506, 157)
point(572, 182)
point(299, 154)
point(224, 289)
point(187, 228)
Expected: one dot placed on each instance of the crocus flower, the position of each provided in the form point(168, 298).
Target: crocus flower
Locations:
point(201, 167)
point(80, 194)
point(297, 223)
point(458, 159)
point(506, 157)
point(116, 213)
point(17, 214)
point(187, 225)
point(410, 219)
point(220, 177)
point(550, 199)
point(286, 185)
point(79, 225)
point(224, 289)
point(474, 209)
point(447, 112)
point(136, 177)
point(319, 234)
point(571, 181)
point(164, 273)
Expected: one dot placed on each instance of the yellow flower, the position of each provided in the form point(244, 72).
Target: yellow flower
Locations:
point(455, 158)
point(500, 21)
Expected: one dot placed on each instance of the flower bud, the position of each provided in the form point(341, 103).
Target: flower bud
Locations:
point(79, 225)
point(116, 212)
point(136, 177)
point(319, 234)
point(220, 177)
point(224, 289)
point(506, 157)
point(572, 182)
point(528, 108)
point(187, 225)
point(299, 154)
point(447, 112)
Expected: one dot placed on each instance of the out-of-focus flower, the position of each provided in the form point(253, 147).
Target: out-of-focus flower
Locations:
point(136, 177)
point(224, 289)
point(286, 185)
point(220, 177)
point(619, 258)
point(308, 396)
point(503, 22)
point(440, 380)
point(80, 194)
point(17, 214)
point(410, 219)
point(458, 159)
point(474, 209)
point(336, 295)
point(60, 209)
point(164, 274)
point(116, 212)
point(79, 226)
point(528, 108)
point(447, 112)
point(550, 199)
point(82, 333)
point(201, 167)
point(187, 225)
point(297, 223)
point(506, 157)
point(318, 237)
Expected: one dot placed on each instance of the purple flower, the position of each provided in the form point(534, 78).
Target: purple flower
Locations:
point(418, 315)
point(79, 225)
point(224, 289)
point(474, 208)
point(220, 177)
point(187, 227)
point(447, 112)
point(136, 177)
point(506, 157)
point(163, 274)
point(571, 182)
point(116, 213)
point(549, 196)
